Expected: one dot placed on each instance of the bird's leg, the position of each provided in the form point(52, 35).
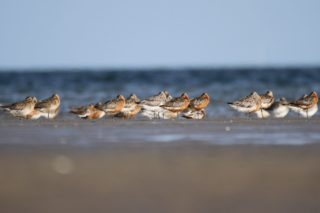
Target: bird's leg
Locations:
point(262, 113)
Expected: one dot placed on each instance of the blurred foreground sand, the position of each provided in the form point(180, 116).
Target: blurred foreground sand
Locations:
point(181, 176)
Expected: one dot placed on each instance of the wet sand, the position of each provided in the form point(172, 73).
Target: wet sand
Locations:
point(215, 165)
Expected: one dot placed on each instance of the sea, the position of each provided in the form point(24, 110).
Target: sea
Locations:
point(84, 86)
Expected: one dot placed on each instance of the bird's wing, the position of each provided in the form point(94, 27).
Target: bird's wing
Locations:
point(15, 106)
point(301, 103)
point(176, 102)
point(244, 103)
point(110, 104)
point(78, 110)
point(43, 104)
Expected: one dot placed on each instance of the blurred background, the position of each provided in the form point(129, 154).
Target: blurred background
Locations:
point(89, 51)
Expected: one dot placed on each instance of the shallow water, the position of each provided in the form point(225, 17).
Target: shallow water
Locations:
point(223, 85)
point(82, 133)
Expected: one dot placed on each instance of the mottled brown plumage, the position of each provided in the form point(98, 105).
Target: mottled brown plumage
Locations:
point(200, 102)
point(131, 108)
point(23, 108)
point(306, 101)
point(88, 112)
point(267, 100)
point(48, 108)
point(247, 104)
point(156, 100)
point(50, 104)
point(113, 106)
point(177, 104)
point(306, 106)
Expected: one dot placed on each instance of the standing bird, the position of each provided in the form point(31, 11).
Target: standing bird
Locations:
point(48, 108)
point(177, 104)
point(247, 104)
point(112, 107)
point(279, 109)
point(21, 109)
point(131, 108)
point(267, 100)
point(88, 112)
point(306, 106)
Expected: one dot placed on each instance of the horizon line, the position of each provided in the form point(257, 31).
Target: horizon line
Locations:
point(155, 68)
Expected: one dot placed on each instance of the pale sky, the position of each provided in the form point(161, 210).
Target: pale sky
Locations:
point(163, 33)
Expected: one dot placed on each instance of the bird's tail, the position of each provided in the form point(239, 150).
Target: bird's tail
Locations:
point(4, 107)
point(74, 110)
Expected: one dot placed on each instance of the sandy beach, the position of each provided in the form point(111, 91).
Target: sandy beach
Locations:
point(214, 165)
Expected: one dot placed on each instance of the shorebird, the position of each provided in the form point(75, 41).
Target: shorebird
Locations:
point(200, 102)
point(191, 113)
point(156, 100)
point(247, 104)
point(131, 108)
point(267, 100)
point(21, 109)
point(177, 104)
point(112, 107)
point(159, 113)
point(88, 112)
point(48, 108)
point(306, 106)
point(150, 107)
point(279, 109)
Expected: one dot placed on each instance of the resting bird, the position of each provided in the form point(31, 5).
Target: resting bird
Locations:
point(190, 113)
point(88, 112)
point(200, 102)
point(23, 108)
point(131, 108)
point(248, 104)
point(160, 113)
point(279, 109)
point(177, 104)
point(155, 101)
point(150, 107)
point(267, 100)
point(48, 108)
point(306, 106)
point(112, 107)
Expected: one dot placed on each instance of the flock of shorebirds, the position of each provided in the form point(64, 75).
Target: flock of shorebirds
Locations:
point(264, 105)
point(163, 106)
